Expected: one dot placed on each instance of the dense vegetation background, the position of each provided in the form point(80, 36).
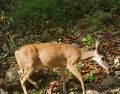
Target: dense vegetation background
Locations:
point(69, 21)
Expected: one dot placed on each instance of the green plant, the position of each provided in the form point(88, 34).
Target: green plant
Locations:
point(79, 65)
point(54, 72)
point(3, 56)
point(88, 39)
point(98, 21)
point(41, 91)
point(13, 63)
point(31, 11)
point(90, 77)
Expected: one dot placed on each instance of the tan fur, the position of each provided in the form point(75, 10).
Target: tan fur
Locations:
point(34, 57)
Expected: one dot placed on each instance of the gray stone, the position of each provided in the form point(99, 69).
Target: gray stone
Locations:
point(12, 80)
point(13, 83)
point(92, 92)
point(12, 75)
point(117, 73)
point(111, 82)
point(115, 33)
point(75, 45)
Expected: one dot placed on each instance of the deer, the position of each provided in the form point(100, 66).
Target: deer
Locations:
point(33, 57)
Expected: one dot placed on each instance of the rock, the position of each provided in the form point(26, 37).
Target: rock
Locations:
point(12, 80)
point(115, 33)
point(77, 33)
point(2, 83)
point(75, 45)
point(117, 73)
point(12, 75)
point(13, 83)
point(108, 83)
point(2, 91)
point(112, 82)
point(116, 62)
point(92, 92)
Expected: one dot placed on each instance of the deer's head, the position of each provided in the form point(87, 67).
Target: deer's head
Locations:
point(101, 58)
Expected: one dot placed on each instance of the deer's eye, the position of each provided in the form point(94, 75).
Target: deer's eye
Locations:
point(103, 58)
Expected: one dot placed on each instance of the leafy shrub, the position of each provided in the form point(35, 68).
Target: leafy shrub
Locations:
point(36, 10)
point(79, 65)
point(56, 10)
point(42, 16)
point(105, 5)
point(99, 21)
point(30, 11)
point(4, 4)
point(88, 40)
point(90, 77)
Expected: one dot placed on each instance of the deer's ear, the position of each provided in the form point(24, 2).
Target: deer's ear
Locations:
point(98, 48)
point(97, 43)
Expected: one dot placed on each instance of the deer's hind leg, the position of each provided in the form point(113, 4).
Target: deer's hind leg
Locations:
point(25, 77)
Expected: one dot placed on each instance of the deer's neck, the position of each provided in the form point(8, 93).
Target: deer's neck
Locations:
point(86, 54)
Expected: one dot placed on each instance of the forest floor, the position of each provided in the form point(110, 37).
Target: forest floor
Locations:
point(93, 74)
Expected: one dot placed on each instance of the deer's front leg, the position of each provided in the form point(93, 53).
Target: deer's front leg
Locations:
point(62, 72)
point(74, 70)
